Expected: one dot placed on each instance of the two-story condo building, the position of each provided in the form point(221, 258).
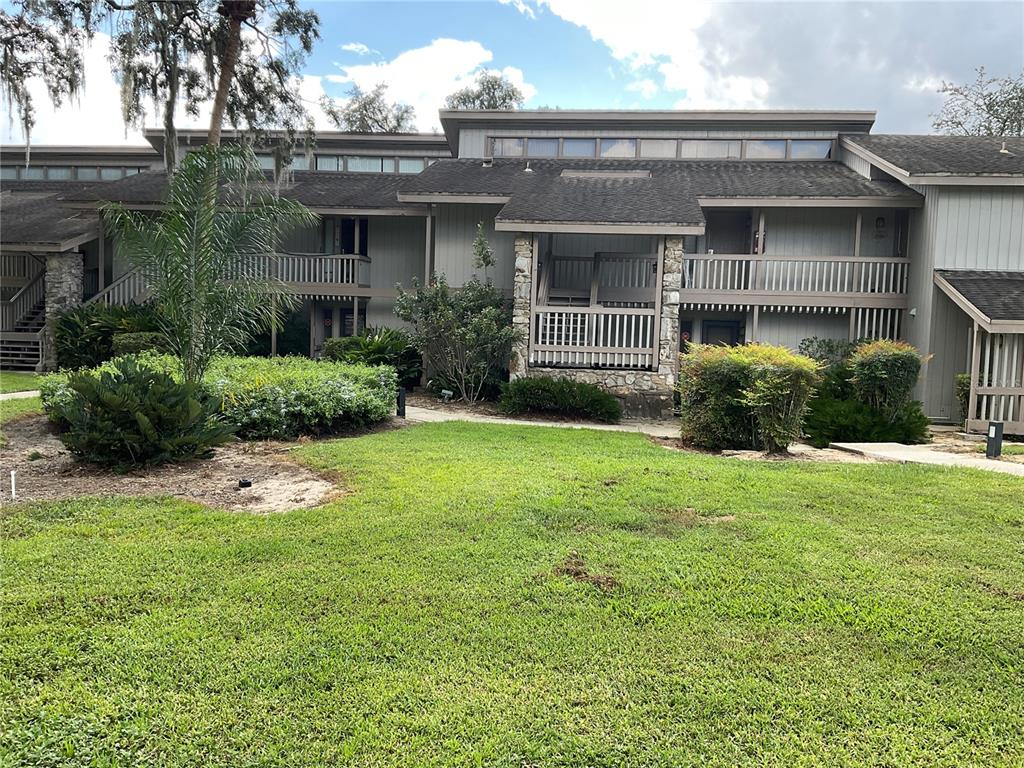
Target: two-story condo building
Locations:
point(619, 235)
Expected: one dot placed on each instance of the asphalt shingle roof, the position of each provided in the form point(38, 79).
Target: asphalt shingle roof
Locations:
point(669, 194)
point(947, 155)
point(999, 295)
point(42, 221)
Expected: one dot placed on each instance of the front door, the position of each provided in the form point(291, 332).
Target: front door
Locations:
point(720, 332)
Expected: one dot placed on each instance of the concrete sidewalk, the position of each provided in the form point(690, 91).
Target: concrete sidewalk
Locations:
point(20, 395)
point(926, 454)
point(653, 428)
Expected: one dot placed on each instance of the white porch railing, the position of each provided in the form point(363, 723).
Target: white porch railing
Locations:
point(22, 302)
point(787, 275)
point(998, 391)
point(593, 337)
point(128, 288)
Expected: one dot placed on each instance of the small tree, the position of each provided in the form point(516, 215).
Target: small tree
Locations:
point(370, 112)
point(465, 335)
point(492, 91)
point(203, 254)
point(990, 106)
point(483, 254)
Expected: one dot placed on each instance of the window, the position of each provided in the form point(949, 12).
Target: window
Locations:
point(542, 148)
point(388, 165)
point(8, 172)
point(365, 164)
point(109, 174)
point(326, 163)
point(657, 148)
point(760, 149)
point(618, 147)
point(701, 149)
point(810, 150)
point(409, 165)
point(266, 162)
point(300, 163)
point(579, 147)
point(130, 171)
point(87, 174)
point(58, 173)
point(506, 147)
point(33, 172)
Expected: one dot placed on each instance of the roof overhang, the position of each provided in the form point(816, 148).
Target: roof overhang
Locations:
point(983, 320)
point(907, 201)
point(600, 227)
point(443, 197)
point(53, 247)
point(926, 179)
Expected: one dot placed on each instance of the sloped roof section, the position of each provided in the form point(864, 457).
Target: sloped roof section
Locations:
point(41, 223)
point(997, 295)
point(946, 155)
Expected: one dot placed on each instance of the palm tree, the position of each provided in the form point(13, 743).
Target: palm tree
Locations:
point(208, 254)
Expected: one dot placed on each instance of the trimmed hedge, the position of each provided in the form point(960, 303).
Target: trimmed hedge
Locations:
point(140, 341)
point(84, 336)
point(747, 397)
point(559, 397)
point(275, 398)
point(884, 373)
point(130, 414)
point(379, 346)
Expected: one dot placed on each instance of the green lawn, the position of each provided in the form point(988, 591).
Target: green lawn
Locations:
point(725, 613)
point(1009, 449)
point(17, 381)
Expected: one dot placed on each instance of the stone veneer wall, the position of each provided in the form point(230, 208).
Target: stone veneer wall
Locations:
point(63, 290)
point(643, 393)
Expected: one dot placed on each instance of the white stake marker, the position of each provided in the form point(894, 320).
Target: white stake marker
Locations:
point(14, 488)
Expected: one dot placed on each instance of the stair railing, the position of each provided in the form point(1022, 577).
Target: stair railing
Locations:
point(128, 287)
point(22, 302)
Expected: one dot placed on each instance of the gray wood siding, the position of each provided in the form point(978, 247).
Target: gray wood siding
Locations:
point(587, 245)
point(455, 228)
point(788, 329)
point(827, 232)
point(855, 163)
point(396, 249)
point(958, 228)
point(304, 239)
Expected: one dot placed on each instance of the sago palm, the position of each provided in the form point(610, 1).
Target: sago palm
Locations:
point(208, 254)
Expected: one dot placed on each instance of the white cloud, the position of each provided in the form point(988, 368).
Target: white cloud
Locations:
point(359, 48)
point(923, 83)
point(645, 87)
point(521, 6)
point(652, 36)
point(423, 77)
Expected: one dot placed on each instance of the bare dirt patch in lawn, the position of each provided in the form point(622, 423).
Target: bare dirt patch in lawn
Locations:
point(797, 452)
point(670, 521)
point(46, 471)
point(955, 442)
point(574, 567)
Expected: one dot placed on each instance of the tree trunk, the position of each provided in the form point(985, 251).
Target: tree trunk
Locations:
point(237, 11)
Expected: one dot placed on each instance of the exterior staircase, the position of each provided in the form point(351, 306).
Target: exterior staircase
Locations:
point(23, 317)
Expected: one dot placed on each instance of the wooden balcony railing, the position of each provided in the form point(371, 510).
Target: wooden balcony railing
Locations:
point(593, 337)
point(22, 302)
point(879, 281)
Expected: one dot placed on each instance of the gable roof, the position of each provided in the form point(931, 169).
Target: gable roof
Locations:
point(667, 194)
point(41, 223)
point(994, 298)
point(937, 159)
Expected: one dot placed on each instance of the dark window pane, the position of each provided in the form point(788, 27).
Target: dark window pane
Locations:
point(87, 174)
point(109, 174)
point(33, 172)
point(58, 173)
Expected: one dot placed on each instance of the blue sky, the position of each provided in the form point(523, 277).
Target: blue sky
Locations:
point(889, 56)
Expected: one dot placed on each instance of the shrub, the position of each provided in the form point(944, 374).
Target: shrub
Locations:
point(466, 335)
point(561, 397)
point(753, 396)
point(831, 420)
point(963, 393)
point(130, 414)
point(84, 336)
point(884, 374)
point(138, 341)
point(379, 346)
point(828, 352)
point(275, 398)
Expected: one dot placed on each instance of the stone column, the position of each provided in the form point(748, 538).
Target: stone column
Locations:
point(672, 274)
point(522, 288)
point(63, 290)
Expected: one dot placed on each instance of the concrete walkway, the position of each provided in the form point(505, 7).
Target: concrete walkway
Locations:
point(20, 395)
point(653, 428)
point(926, 454)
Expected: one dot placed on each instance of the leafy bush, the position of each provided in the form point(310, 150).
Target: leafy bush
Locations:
point(884, 374)
point(379, 346)
point(466, 335)
point(560, 397)
point(84, 336)
point(831, 420)
point(963, 393)
point(138, 341)
point(275, 398)
point(752, 396)
point(828, 352)
point(130, 414)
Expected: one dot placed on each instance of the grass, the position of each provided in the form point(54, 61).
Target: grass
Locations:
point(17, 381)
point(715, 613)
point(12, 410)
point(1009, 449)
